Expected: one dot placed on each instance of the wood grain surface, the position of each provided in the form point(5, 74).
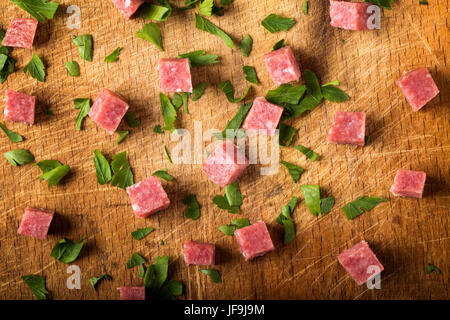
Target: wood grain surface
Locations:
point(405, 233)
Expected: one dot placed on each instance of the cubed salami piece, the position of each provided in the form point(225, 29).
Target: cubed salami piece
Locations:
point(282, 66)
point(349, 15)
point(108, 110)
point(348, 128)
point(198, 253)
point(418, 87)
point(360, 262)
point(175, 75)
point(148, 197)
point(20, 33)
point(254, 240)
point(408, 183)
point(128, 7)
point(35, 223)
point(263, 116)
point(19, 107)
point(225, 164)
point(132, 293)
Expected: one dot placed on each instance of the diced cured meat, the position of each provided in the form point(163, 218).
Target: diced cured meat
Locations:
point(254, 240)
point(348, 128)
point(20, 33)
point(418, 87)
point(199, 253)
point(349, 15)
point(35, 223)
point(108, 110)
point(19, 107)
point(132, 293)
point(148, 197)
point(282, 66)
point(128, 7)
point(408, 183)
point(175, 75)
point(360, 262)
point(263, 116)
point(225, 164)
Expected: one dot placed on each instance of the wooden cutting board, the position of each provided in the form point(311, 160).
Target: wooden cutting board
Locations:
point(406, 234)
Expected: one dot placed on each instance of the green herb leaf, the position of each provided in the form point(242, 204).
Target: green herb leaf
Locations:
point(234, 195)
point(114, 56)
point(135, 260)
point(73, 68)
point(36, 68)
point(313, 86)
point(14, 137)
point(423, 2)
point(131, 119)
point(274, 23)
point(235, 224)
point(175, 287)
point(198, 91)
point(37, 285)
point(222, 203)
point(158, 129)
point(151, 32)
point(332, 83)
point(199, 58)
point(122, 135)
point(286, 93)
point(294, 170)
point(84, 105)
point(305, 7)
point(232, 128)
point(47, 165)
point(246, 45)
point(430, 268)
point(386, 4)
point(85, 46)
point(250, 74)
point(123, 176)
point(94, 280)
point(140, 234)
point(311, 155)
point(166, 154)
point(40, 9)
point(280, 44)
point(286, 134)
point(312, 199)
point(361, 205)
point(54, 176)
point(154, 12)
point(163, 174)
point(177, 101)
point(193, 210)
point(66, 251)
point(334, 94)
point(326, 204)
point(19, 157)
point(141, 273)
point(228, 89)
point(169, 112)
point(285, 219)
point(207, 26)
point(156, 275)
point(102, 168)
point(205, 7)
point(185, 97)
point(213, 274)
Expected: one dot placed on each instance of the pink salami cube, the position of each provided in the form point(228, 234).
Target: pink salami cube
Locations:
point(20, 33)
point(128, 7)
point(225, 164)
point(418, 87)
point(348, 128)
point(198, 253)
point(108, 110)
point(282, 66)
point(360, 262)
point(19, 107)
point(409, 183)
point(254, 240)
point(148, 197)
point(349, 15)
point(132, 293)
point(35, 223)
point(263, 116)
point(175, 75)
